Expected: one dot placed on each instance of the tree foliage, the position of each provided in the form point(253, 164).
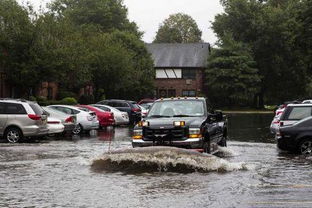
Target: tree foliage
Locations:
point(270, 28)
point(75, 43)
point(178, 28)
point(232, 77)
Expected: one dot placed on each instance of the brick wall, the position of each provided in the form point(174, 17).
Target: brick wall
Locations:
point(181, 84)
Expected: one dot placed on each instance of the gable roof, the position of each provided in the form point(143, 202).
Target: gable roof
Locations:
point(179, 54)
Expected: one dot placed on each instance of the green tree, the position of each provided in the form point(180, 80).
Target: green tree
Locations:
point(104, 15)
point(178, 28)
point(231, 75)
point(271, 31)
point(16, 36)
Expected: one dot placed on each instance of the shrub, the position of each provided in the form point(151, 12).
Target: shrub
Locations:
point(32, 98)
point(86, 99)
point(68, 101)
point(66, 94)
point(42, 101)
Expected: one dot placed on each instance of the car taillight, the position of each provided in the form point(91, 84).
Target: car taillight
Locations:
point(136, 109)
point(34, 117)
point(69, 120)
point(53, 122)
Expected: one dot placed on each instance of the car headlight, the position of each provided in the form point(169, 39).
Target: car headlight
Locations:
point(137, 134)
point(143, 123)
point(194, 133)
point(179, 123)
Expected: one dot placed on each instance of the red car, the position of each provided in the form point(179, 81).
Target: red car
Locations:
point(105, 118)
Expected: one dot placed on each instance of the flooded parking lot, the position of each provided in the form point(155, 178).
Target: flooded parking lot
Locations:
point(58, 173)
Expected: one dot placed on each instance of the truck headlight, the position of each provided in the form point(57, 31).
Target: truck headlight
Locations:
point(179, 123)
point(194, 133)
point(137, 134)
point(143, 123)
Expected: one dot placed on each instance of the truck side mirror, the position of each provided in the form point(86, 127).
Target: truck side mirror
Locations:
point(219, 115)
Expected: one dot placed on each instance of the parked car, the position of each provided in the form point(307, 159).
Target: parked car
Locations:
point(55, 126)
point(306, 101)
point(146, 100)
point(131, 107)
point(86, 120)
point(188, 123)
point(147, 106)
point(121, 118)
point(105, 118)
point(144, 111)
point(275, 124)
point(69, 121)
point(20, 119)
point(296, 137)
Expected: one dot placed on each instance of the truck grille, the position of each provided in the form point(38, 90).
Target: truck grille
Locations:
point(169, 134)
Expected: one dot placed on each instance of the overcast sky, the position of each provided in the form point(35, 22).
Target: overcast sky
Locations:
point(149, 14)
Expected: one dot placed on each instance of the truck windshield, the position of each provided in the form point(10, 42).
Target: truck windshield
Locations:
point(177, 108)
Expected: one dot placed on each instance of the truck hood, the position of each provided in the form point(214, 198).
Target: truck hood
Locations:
point(156, 123)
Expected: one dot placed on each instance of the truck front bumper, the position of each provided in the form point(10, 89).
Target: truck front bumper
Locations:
point(192, 143)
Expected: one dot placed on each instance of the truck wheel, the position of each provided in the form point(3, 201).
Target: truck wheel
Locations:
point(305, 147)
point(222, 143)
point(206, 146)
point(13, 135)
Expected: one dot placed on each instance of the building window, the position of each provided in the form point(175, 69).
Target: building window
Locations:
point(189, 93)
point(189, 73)
point(171, 93)
point(168, 73)
point(162, 93)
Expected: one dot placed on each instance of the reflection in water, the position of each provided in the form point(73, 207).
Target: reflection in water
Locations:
point(250, 127)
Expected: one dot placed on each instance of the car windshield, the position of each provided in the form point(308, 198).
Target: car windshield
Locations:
point(177, 108)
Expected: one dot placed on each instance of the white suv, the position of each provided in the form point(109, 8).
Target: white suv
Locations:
point(20, 119)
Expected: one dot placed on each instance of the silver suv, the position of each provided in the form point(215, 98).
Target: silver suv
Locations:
point(20, 119)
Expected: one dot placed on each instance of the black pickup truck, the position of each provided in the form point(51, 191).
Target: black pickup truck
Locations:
point(182, 122)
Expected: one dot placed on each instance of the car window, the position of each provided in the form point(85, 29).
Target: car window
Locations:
point(125, 105)
point(65, 110)
point(299, 113)
point(13, 108)
point(2, 108)
point(103, 108)
point(84, 109)
point(36, 108)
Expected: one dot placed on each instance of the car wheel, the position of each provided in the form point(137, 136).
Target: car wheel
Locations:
point(78, 129)
point(206, 146)
point(305, 147)
point(13, 135)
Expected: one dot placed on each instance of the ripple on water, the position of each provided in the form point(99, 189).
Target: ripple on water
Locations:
point(166, 159)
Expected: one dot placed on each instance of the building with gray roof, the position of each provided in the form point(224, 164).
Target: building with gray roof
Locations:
point(179, 68)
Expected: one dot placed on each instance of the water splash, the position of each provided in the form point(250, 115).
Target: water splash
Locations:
point(167, 159)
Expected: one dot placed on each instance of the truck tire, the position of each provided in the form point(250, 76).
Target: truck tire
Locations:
point(222, 143)
point(206, 146)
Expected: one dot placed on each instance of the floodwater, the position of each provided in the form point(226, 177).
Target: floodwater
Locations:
point(73, 172)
